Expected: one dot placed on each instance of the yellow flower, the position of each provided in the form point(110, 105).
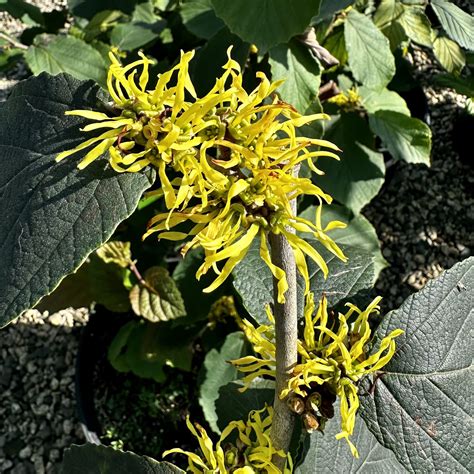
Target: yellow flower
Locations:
point(330, 361)
point(225, 162)
point(348, 101)
point(143, 126)
point(252, 453)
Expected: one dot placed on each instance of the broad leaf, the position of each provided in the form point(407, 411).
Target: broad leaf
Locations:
point(458, 24)
point(449, 54)
point(217, 373)
point(158, 298)
point(253, 280)
point(462, 85)
point(56, 54)
point(417, 26)
point(387, 18)
point(406, 138)
point(359, 175)
point(24, 11)
point(329, 7)
point(323, 453)
point(133, 35)
point(267, 22)
point(234, 405)
point(374, 100)
point(94, 459)
point(146, 348)
point(422, 404)
point(199, 18)
point(370, 59)
point(54, 215)
point(294, 63)
point(359, 233)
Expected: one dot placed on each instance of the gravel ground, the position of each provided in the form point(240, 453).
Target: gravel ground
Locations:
point(423, 217)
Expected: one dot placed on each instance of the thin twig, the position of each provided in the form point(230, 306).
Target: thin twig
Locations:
point(13, 41)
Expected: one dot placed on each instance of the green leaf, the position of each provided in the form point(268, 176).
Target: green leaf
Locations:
point(54, 215)
point(335, 43)
point(253, 280)
point(406, 138)
point(116, 252)
point(196, 302)
point(462, 85)
point(325, 454)
point(207, 66)
point(387, 18)
point(359, 233)
point(370, 59)
point(458, 24)
point(421, 405)
point(234, 405)
point(199, 18)
point(159, 299)
point(359, 175)
point(217, 373)
point(449, 54)
point(374, 100)
point(295, 63)
point(417, 26)
point(146, 348)
point(330, 7)
point(134, 34)
point(267, 22)
point(24, 11)
point(88, 8)
point(56, 54)
point(94, 459)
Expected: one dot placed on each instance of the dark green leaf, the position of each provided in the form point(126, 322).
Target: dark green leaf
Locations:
point(54, 215)
point(133, 35)
point(199, 18)
point(217, 373)
point(158, 300)
point(359, 233)
point(24, 11)
point(329, 7)
point(207, 66)
point(88, 8)
point(56, 54)
point(458, 24)
point(196, 302)
point(326, 454)
point(359, 175)
point(422, 405)
point(146, 348)
point(387, 18)
point(449, 54)
point(462, 85)
point(335, 43)
point(234, 405)
point(295, 63)
point(267, 22)
point(93, 459)
point(370, 59)
point(253, 280)
point(406, 138)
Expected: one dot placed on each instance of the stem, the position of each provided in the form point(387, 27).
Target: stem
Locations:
point(286, 337)
point(13, 41)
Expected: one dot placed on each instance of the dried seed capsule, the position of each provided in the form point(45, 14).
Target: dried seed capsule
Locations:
point(310, 421)
point(296, 404)
point(313, 402)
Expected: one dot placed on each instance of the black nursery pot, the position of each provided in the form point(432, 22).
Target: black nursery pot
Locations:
point(96, 337)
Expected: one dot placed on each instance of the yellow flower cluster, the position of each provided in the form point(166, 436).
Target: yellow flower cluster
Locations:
point(348, 101)
point(252, 452)
point(226, 162)
point(332, 358)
